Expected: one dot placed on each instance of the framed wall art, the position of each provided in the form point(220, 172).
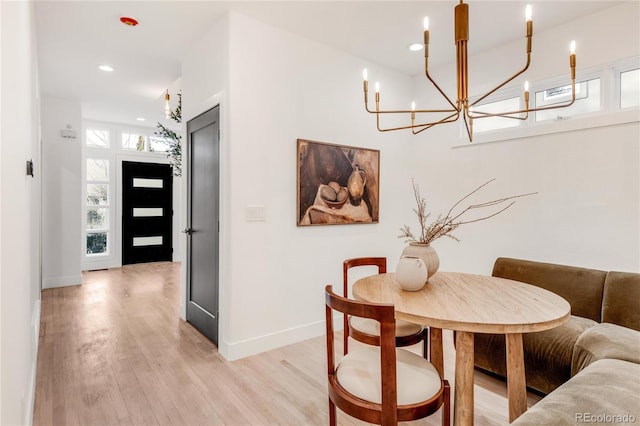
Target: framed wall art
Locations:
point(337, 184)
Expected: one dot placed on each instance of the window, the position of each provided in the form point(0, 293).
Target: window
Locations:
point(607, 94)
point(158, 144)
point(97, 169)
point(97, 194)
point(496, 123)
point(97, 205)
point(97, 138)
point(630, 88)
point(587, 100)
point(134, 142)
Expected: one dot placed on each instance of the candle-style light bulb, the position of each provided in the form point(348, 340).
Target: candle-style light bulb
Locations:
point(413, 106)
point(572, 47)
point(528, 12)
point(167, 107)
point(364, 74)
point(526, 86)
point(426, 23)
point(377, 87)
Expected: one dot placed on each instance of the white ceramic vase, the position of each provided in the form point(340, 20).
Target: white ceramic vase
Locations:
point(425, 252)
point(411, 273)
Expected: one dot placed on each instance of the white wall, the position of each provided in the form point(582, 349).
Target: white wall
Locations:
point(61, 193)
point(205, 74)
point(587, 211)
point(282, 87)
point(275, 87)
point(19, 212)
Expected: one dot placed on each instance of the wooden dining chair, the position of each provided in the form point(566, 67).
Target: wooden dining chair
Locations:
point(367, 331)
point(380, 384)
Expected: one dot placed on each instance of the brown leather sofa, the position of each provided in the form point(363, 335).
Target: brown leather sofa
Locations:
point(593, 358)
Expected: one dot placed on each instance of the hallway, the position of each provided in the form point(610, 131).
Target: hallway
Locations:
point(114, 351)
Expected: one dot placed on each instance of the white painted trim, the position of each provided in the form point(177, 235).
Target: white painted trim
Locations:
point(62, 281)
point(573, 124)
point(35, 321)
point(30, 397)
point(236, 350)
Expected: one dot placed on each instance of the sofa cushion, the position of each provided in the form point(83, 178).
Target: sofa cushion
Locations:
point(547, 354)
point(603, 393)
point(620, 299)
point(605, 341)
point(581, 287)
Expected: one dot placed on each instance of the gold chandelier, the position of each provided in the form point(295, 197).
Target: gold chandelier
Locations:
point(463, 105)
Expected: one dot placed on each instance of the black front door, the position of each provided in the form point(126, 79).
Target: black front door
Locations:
point(147, 212)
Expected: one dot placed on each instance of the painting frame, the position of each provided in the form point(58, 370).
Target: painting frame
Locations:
point(336, 184)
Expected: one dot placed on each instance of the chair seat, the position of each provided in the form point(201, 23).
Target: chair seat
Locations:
point(372, 327)
point(359, 373)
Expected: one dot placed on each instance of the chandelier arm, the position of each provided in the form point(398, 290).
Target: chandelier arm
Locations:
point(408, 111)
point(426, 126)
point(505, 82)
point(444, 120)
point(501, 114)
point(468, 126)
point(426, 67)
point(568, 104)
point(426, 71)
point(544, 108)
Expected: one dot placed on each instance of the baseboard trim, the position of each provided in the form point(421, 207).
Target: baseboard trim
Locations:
point(237, 350)
point(62, 281)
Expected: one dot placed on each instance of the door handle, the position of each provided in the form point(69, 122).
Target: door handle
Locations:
point(187, 231)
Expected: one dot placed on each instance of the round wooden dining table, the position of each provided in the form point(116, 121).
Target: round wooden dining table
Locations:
point(468, 304)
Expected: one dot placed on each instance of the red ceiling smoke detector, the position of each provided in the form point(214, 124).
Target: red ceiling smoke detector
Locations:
point(128, 21)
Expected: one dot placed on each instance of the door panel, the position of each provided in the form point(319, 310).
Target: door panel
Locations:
point(147, 212)
point(203, 227)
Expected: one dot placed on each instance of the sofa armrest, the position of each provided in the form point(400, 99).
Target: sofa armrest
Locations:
point(605, 341)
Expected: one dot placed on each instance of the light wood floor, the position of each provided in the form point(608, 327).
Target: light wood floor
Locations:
point(113, 351)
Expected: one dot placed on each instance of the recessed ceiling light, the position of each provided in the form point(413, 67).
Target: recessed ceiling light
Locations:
point(106, 68)
point(414, 47)
point(140, 119)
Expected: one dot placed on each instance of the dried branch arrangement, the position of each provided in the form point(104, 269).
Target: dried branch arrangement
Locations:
point(443, 226)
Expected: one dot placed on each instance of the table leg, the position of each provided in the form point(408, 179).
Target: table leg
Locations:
point(435, 349)
point(463, 396)
point(516, 381)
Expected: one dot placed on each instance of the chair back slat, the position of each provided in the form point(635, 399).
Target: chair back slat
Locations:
point(380, 262)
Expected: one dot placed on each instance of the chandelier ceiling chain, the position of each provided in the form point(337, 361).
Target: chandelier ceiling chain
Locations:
point(462, 105)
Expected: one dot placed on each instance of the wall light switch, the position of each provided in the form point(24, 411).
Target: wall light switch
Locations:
point(255, 213)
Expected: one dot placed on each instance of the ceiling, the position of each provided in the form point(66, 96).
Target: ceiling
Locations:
point(74, 37)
